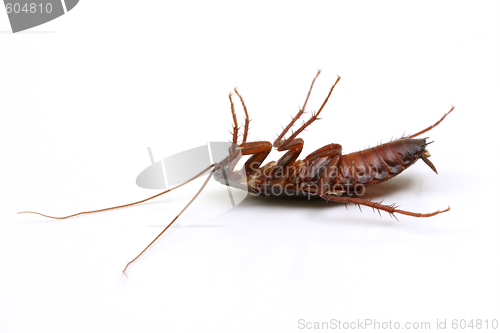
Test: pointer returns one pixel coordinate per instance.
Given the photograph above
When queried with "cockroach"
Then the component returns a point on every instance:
(325, 173)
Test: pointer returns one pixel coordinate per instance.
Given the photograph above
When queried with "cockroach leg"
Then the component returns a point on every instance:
(311, 120)
(235, 127)
(431, 127)
(322, 164)
(293, 145)
(259, 151)
(247, 120)
(391, 209)
(278, 142)
(294, 148)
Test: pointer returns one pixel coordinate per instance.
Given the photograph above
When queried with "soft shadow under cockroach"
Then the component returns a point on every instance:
(325, 173)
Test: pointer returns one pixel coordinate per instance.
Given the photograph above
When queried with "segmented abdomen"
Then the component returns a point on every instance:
(378, 164)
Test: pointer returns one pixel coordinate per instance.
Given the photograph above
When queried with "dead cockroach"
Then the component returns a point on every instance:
(325, 173)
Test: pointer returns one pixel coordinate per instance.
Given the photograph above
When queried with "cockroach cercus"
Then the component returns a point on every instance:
(325, 173)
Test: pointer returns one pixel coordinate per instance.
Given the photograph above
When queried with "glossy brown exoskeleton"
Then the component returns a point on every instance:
(326, 173)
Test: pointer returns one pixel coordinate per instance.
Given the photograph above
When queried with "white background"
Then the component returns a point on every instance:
(82, 97)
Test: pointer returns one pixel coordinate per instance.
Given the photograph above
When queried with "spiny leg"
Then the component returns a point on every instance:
(314, 117)
(259, 151)
(127, 205)
(235, 127)
(293, 145)
(431, 127)
(247, 121)
(182, 211)
(391, 209)
(278, 142)
(294, 148)
(322, 164)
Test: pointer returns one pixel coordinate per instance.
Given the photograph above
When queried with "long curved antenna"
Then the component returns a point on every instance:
(182, 211)
(130, 204)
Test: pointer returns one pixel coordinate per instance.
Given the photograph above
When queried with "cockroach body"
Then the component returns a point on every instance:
(349, 175)
(325, 173)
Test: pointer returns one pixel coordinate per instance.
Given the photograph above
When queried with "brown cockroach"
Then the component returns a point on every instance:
(325, 173)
